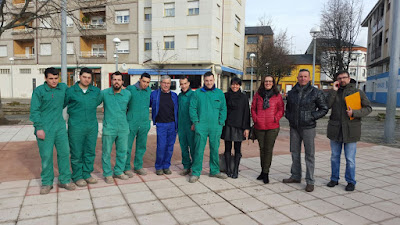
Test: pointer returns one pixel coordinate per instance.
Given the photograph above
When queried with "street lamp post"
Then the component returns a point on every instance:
(116, 41)
(267, 65)
(11, 75)
(252, 56)
(314, 33)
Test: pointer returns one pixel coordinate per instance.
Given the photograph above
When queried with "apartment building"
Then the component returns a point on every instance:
(178, 38)
(253, 37)
(379, 26)
(186, 38)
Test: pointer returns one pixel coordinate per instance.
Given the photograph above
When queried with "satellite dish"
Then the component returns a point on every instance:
(124, 67)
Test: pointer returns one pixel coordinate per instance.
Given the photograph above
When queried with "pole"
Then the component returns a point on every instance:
(64, 41)
(390, 121)
(251, 84)
(116, 62)
(357, 73)
(12, 80)
(313, 63)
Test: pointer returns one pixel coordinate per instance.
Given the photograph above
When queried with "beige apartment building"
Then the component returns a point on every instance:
(253, 37)
(178, 38)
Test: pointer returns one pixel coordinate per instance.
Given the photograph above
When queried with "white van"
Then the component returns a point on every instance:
(154, 85)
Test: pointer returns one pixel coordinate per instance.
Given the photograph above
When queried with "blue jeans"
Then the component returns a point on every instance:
(350, 150)
(166, 136)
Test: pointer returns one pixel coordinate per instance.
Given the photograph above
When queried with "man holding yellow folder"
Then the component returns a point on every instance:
(344, 127)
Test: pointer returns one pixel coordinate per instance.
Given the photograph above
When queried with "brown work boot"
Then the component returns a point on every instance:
(109, 180)
(185, 172)
(91, 180)
(167, 171)
(159, 172)
(141, 172)
(290, 180)
(193, 179)
(81, 183)
(310, 187)
(122, 177)
(219, 175)
(128, 173)
(44, 190)
(70, 186)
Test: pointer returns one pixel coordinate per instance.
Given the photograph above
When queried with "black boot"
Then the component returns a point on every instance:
(265, 178)
(236, 166)
(228, 159)
(261, 176)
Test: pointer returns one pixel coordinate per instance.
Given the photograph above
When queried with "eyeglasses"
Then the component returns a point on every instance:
(342, 78)
(268, 81)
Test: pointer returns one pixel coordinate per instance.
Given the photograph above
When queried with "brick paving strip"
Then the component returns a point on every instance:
(171, 199)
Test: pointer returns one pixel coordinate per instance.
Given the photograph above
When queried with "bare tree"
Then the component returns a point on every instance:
(163, 58)
(340, 26)
(272, 58)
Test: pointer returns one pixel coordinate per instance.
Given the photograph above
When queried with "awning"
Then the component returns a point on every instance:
(231, 70)
(74, 67)
(168, 71)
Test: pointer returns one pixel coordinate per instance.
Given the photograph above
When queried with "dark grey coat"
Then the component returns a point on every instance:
(340, 127)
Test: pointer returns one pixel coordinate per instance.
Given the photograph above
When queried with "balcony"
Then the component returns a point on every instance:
(90, 54)
(94, 26)
(24, 56)
(22, 31)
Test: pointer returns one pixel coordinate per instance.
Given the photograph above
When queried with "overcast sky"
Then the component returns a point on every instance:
(297, 17)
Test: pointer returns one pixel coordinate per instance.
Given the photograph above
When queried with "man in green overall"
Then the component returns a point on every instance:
(82, 100)
(185, 126)
(139, 123)
(47, 105)
(208, 114)
(115, 128)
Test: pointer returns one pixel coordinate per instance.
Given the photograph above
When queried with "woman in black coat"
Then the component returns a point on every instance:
(237, 125)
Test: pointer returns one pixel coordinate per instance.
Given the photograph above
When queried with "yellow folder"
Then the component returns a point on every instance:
(353, 101)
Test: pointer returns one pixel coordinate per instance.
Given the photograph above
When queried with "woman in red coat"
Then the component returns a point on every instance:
(266, 110)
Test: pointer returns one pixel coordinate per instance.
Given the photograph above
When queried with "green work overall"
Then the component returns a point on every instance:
(115, 129)
(82, 129)
(46, 114)
(139, 124)
(208, 113)
(186, 135)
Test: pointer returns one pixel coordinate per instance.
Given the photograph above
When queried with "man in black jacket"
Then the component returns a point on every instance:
(344, 128)
(305, 104)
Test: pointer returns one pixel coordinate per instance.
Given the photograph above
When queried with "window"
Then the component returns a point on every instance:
(248, 70)
(217, 43)
(169, 9)
(45, 23)
(193, 8)
(122, 16)
(147, 44)
(236, 51)
(3, 50)
(192, 41)
(123, 47)
(147, 14)
(25, 71)
(98, 50)
(70, 48)
(237, 23)
(252, 40)
(97, 20)
(249, 53)
(169, 42)
(70, 22)
(218, 11)
(5, 71)
(45, 49)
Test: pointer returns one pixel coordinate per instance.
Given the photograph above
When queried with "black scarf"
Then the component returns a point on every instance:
(266, 95)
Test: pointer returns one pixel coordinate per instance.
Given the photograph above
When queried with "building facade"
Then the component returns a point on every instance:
(178, 38)
(379, 26)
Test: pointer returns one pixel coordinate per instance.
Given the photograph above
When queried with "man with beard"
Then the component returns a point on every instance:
(208, 114)
(115, 128)
(185, 126)
(139, 123)
(47, 105)
(344, 128)
(82, 100)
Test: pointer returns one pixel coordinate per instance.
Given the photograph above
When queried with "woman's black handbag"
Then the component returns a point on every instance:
(252, 134)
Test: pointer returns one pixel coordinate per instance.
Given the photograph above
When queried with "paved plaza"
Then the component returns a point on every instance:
(163, 200)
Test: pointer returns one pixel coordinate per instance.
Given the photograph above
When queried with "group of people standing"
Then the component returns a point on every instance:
(194, 116)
